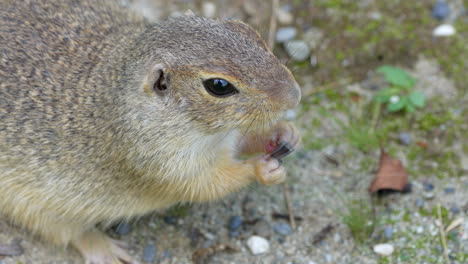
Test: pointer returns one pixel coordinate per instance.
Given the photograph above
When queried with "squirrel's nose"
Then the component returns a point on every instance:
(293, 96)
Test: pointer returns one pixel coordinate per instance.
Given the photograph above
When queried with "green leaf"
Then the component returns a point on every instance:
(383, 96)
(410, 108)
(395, 107)
(417, 98)
(397, 76)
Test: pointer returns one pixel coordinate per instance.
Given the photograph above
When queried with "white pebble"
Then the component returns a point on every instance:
(394, 99)
(384, 249)
(297, 49)
(286, 33)
(284, 17)
(290, 114)
(258, 245)
(444, 30)
(209, 9)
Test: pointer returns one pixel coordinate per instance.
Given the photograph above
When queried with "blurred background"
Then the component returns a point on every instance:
(384, 113)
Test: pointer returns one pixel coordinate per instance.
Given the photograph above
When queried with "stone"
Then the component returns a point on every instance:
(285, 34)
(283, 229)
(313, 37)
(284, 17)
(405, 138)
(444, 30)
(428, 186)
(419, 229)
(419, 202)
(149, 253)
(235, 222)
(428, 195)
(171, 220)
(384, 249)
(449, 190)
(258, 245)
(234, 234)
(290, 114)
(455, 209)
(298, 50)
(209, 9)
(122, 228)
(262, 229)
(440, 10)
(388, 231)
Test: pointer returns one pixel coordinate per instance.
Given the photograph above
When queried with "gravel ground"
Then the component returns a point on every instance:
(321, 184)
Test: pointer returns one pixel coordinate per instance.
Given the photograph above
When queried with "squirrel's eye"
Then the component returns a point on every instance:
(219, 87)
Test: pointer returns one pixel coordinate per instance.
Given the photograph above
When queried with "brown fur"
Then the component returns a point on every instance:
(85, 139)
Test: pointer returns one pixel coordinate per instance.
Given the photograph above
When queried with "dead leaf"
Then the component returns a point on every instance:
(200, 255)
(391, 175)
(456, 223)
(422, 144)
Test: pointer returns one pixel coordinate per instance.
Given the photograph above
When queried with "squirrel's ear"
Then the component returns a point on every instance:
(157, 80)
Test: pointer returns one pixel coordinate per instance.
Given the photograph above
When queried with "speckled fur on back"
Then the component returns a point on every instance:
(81, 142)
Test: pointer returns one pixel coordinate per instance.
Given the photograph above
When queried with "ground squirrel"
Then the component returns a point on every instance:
(105, 116)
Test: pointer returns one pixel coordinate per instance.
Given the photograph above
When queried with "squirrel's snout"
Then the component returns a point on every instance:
(290, 97)
(294, 96)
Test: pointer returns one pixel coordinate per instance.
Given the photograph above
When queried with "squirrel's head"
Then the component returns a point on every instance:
(219, 74)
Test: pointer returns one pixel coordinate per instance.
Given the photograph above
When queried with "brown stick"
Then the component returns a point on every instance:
(271, 34)
(271, 43)
(292, 220)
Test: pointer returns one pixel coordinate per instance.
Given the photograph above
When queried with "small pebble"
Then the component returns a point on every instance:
(419, 229)
(313, 61)
(262, 229)
(455, 209)
(388, 231)
(290, 114)
(428, 186)
(170, 220)
(235, 222)
(123, 228)
(234, 234)
(284, 17)
(384, 249)
(167, 254)
(329, 258)
(405, 138)
(311, 262)
(313, 37)
(407, 188)
(428, 195)
(149, 253)
(419, 202)
(286, 33)
(282, 229)
(444, 30)
(297, 49)
(209, 9)
(258, 245)
(440, 10)
(449, 190)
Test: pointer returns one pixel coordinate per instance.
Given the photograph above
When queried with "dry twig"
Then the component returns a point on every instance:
(271, 34)
(271, 43)
(442, 235)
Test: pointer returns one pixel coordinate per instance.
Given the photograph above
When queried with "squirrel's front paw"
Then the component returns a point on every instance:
(284, 138)
(269, 170)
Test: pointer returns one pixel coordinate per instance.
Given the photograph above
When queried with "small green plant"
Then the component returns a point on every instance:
(400, 95)
(359, 220)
